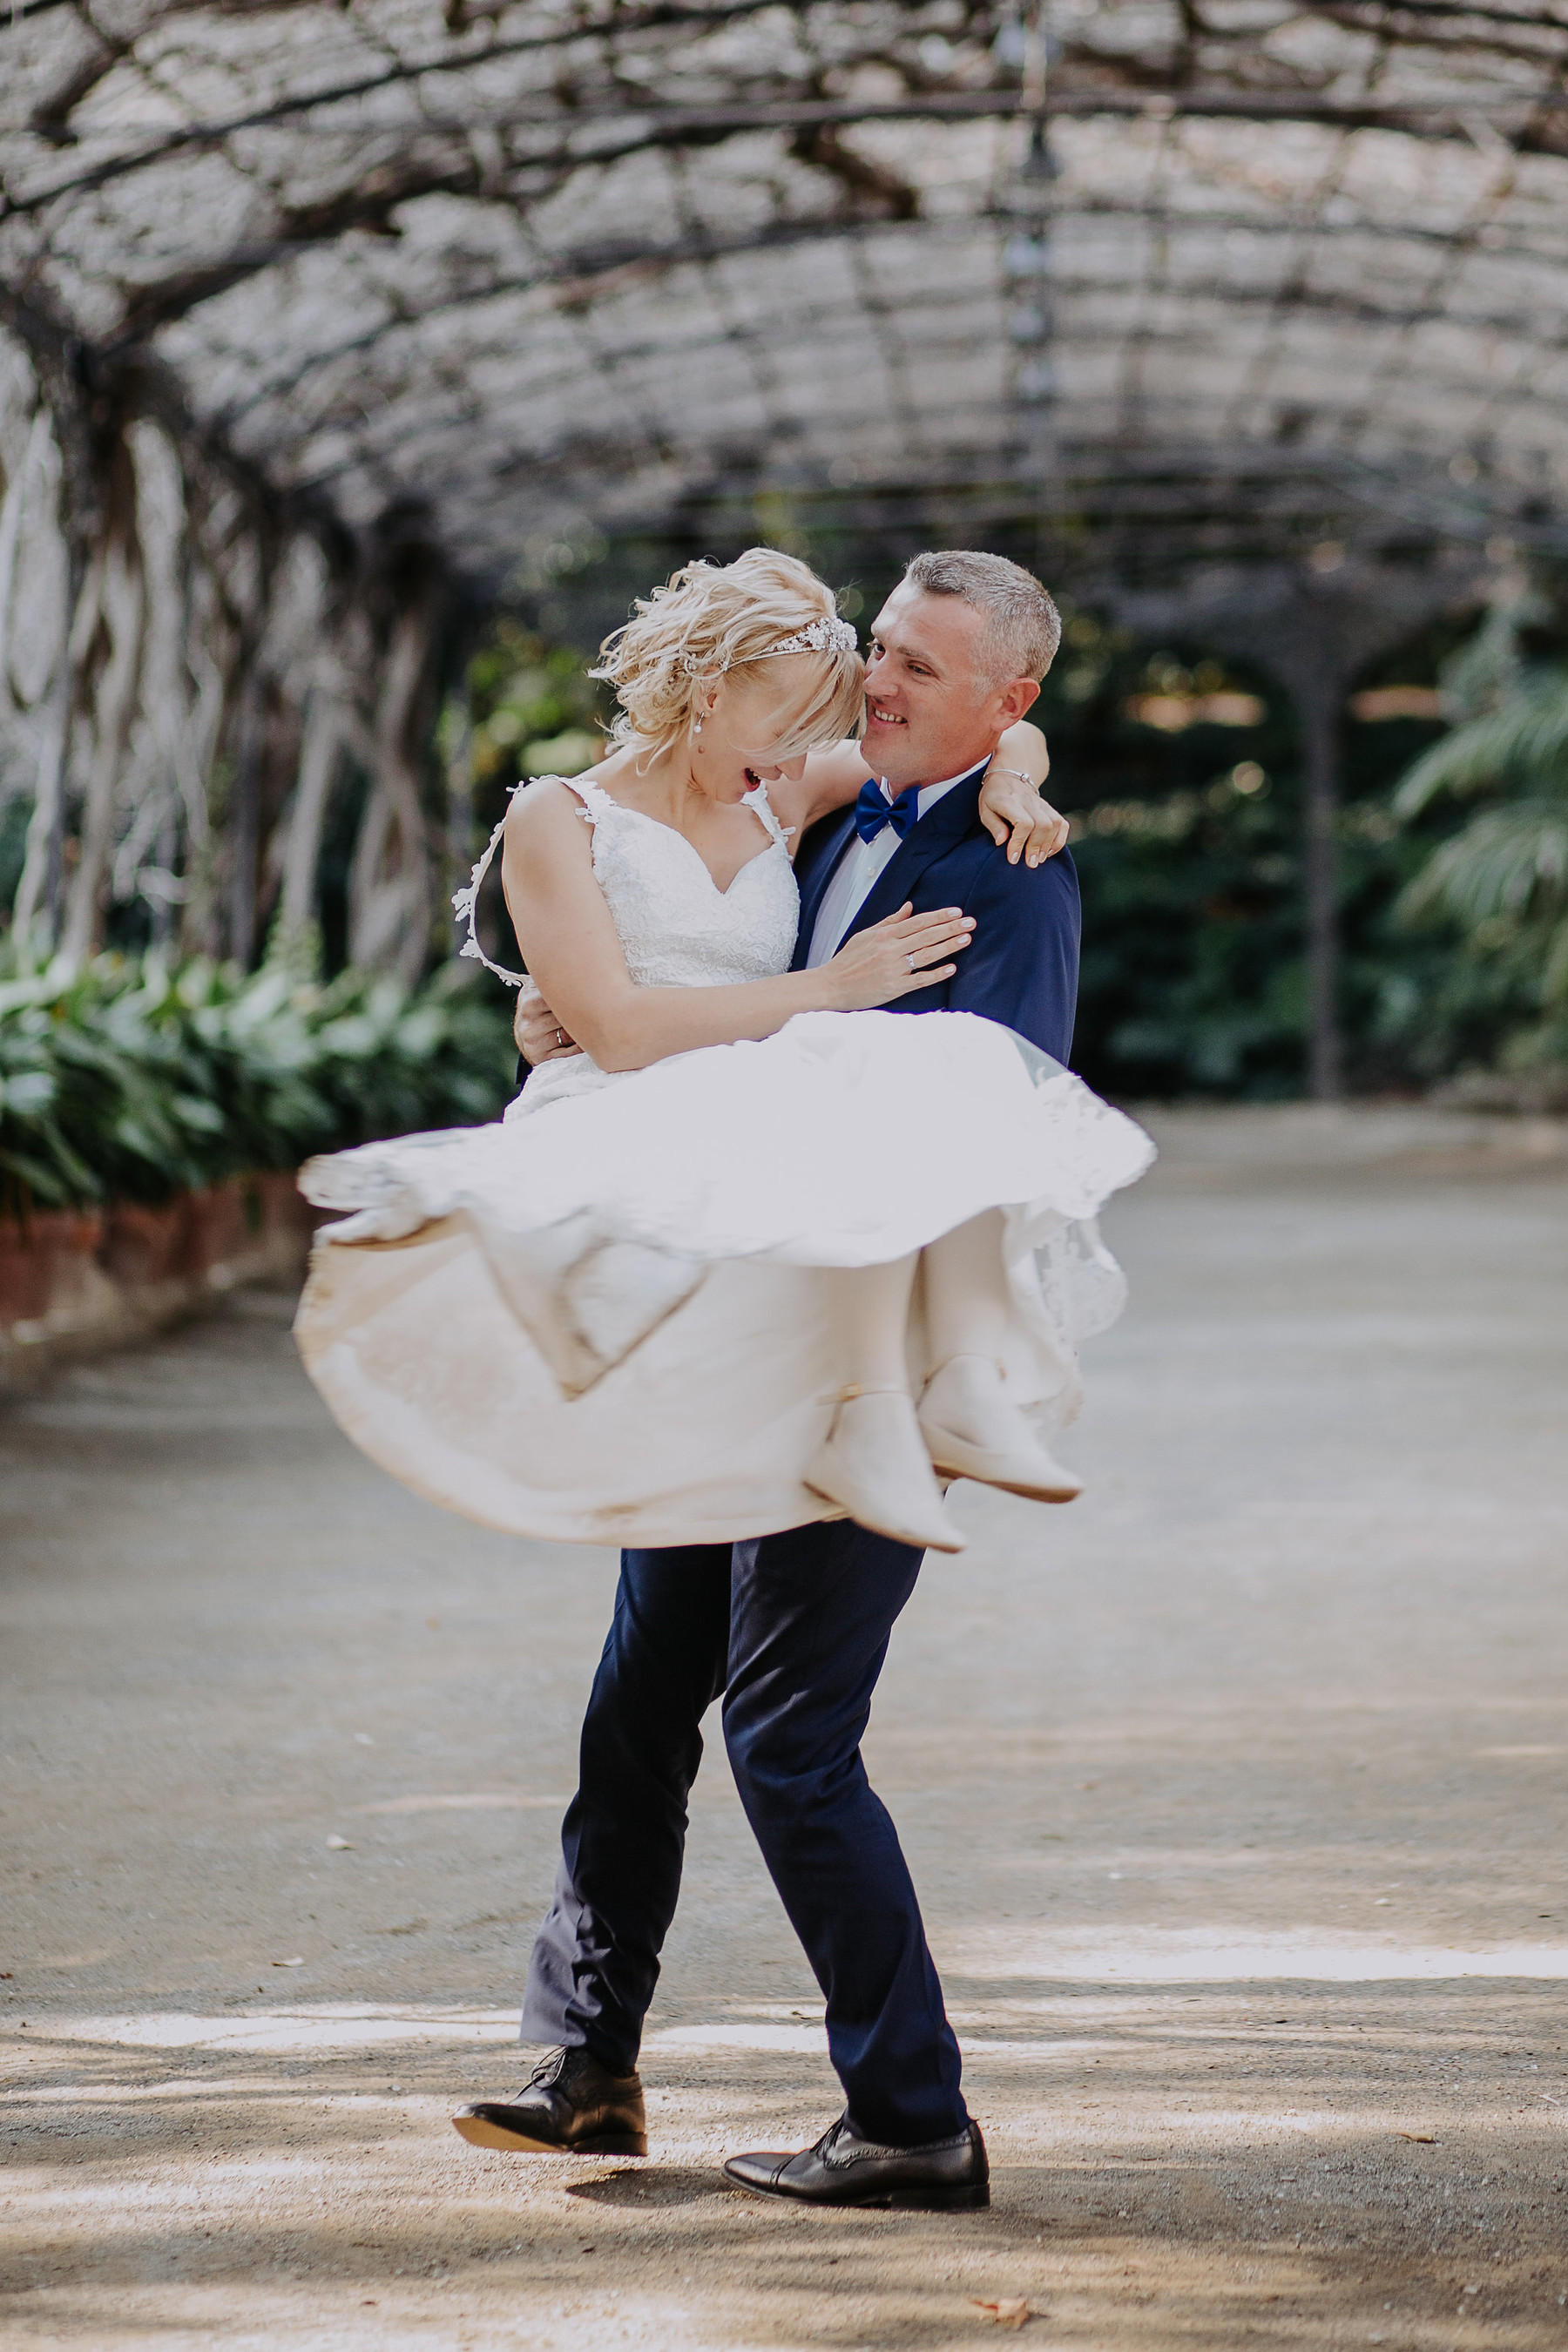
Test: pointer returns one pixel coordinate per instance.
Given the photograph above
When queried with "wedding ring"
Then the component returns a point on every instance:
(911, 961)
(560, 1037)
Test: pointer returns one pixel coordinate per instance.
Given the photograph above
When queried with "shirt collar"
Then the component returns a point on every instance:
(928, 795)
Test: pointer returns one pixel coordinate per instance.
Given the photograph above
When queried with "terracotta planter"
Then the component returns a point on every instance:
(40, 1260)
(216, 1227)
(285, 1209)
(71, 1281)
(143, 1244)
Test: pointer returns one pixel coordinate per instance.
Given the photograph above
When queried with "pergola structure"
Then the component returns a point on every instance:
(318, 317)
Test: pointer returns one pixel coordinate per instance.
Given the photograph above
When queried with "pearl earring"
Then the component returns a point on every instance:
(697, 729)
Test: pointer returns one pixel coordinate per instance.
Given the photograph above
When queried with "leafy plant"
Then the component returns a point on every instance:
(1500, 881)
(129, 1080)
(532, 709)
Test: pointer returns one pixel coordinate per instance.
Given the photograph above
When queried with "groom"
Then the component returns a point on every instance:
(791, 1630)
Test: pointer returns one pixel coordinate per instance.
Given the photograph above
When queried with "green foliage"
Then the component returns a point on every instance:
(1187, 837)
(131, 1079)
(527, 708)
(531, 707)
(1499, 881)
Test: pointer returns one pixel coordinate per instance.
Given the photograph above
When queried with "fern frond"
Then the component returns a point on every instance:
(1509, 862)
(1524, 744)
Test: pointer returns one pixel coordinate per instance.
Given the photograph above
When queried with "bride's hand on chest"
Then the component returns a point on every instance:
(904, 953)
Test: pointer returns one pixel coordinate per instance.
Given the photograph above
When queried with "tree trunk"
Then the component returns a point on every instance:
(38, 891)
(317, 769)
(390, 883)
(123, 606)
(244, 825)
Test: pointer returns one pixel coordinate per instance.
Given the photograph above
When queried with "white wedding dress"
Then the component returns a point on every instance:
(603, 1318)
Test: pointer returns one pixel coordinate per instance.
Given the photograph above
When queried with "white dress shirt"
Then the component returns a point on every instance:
(858, 870)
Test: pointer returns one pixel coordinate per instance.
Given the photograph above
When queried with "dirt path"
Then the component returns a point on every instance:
(1235, 1793)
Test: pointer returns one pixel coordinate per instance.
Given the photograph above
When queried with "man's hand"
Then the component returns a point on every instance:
(539, 1036)
(1017, 819)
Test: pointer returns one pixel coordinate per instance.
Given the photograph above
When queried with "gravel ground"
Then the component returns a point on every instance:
(284, 1755)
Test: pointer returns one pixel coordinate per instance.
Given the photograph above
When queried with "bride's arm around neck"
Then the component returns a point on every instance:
(571, 950)
(833, 778)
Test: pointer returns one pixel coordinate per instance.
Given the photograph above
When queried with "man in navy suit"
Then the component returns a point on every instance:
(791, 1630)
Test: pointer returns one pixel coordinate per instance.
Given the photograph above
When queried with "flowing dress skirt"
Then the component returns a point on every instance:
(603, 1318)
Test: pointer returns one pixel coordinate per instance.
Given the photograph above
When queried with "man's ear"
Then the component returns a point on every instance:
(1015, 698)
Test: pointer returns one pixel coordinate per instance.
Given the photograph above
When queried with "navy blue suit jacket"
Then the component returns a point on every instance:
(1021, 967)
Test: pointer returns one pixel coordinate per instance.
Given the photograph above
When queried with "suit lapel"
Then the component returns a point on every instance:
(955, 815)
(837, 834)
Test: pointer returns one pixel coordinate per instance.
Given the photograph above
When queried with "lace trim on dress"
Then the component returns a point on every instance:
(466, 901)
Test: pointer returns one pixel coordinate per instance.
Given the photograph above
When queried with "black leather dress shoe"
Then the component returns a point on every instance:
(571, 2106)
(844, 2169)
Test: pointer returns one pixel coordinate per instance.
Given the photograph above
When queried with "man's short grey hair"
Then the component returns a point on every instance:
(1023, 627)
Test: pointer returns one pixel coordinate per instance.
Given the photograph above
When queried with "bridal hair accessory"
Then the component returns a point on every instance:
(828, 636)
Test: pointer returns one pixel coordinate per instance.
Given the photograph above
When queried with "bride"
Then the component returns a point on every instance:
(691, 1286)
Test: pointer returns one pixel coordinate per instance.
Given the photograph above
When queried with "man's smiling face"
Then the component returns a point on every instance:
(931, 711)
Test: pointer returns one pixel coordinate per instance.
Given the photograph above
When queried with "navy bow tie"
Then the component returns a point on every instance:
(873, 810)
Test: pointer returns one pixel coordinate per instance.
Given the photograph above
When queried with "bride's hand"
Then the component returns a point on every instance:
(1017, 819)
(903, 953)
(539, 1036)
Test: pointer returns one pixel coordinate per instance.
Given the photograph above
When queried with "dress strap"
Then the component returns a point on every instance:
(596, 802)
(756, 799)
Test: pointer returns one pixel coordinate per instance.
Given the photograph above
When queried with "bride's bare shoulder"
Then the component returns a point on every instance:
(546, 811)
(545, 841)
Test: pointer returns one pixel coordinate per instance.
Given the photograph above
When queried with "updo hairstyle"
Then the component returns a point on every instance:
(715, 620)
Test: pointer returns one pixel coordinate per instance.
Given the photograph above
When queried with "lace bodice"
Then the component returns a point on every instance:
(677, 928)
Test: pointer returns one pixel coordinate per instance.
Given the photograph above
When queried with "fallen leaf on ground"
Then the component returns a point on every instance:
(1007, 2310)
(1426, 2139)
(297, 1963)
(340, 1845)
